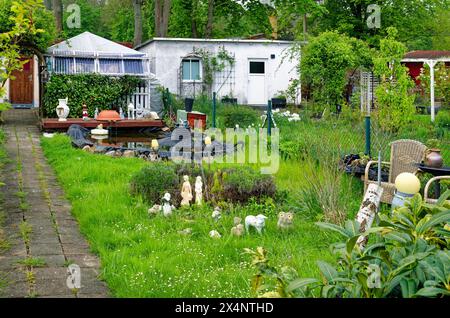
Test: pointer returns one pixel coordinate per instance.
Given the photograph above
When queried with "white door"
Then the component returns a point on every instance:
(257, 94)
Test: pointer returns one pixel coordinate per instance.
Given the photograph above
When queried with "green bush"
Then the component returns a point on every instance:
(240, 184)
(96, 91)
(243, 116)
(443, 119)
(154, 180)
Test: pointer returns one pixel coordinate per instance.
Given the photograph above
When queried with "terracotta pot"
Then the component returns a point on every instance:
(108, 115)
(434, 159)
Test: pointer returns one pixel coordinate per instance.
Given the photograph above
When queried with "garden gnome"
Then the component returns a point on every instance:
(167, 207)
(186, 191)
(198, 190)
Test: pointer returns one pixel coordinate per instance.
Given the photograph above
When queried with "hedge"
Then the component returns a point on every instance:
(96, 91)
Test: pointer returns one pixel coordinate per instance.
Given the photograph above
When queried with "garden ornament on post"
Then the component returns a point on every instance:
(85, 112)
(186, 191)
(406, 185)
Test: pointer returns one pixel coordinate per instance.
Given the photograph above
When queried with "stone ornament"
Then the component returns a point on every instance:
(214, 234)
(154, 210)
(198, 191)
(216, 215)
(238, 228)
(258, 222)
(285, 220)
(167, 208)
(186, 191)
(62, 110)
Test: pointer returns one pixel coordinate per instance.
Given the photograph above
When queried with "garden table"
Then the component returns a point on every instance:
(436, 172)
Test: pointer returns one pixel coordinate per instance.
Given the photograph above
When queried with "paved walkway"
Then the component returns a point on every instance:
(43, 237)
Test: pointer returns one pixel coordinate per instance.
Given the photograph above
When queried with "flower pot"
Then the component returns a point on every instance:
(279, 102)
(434, 159)
(188, 104)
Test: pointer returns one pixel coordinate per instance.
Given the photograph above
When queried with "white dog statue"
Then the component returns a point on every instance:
(258, 222)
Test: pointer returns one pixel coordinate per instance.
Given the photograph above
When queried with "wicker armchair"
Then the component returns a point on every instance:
(427, 187)
(405, 155)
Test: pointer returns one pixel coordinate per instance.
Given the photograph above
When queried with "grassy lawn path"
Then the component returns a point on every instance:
(42, 238)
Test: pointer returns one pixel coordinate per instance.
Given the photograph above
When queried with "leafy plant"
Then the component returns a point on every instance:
(238, 115)
(96, 91)
(154, 180)
(394, 97)
(407, 256)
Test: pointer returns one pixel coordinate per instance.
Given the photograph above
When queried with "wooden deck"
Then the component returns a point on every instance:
(54, 124)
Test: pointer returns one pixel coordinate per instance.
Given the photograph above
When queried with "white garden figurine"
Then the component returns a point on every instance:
(238, 228)
(285, 220)
(198, 190)
(186, 191)
(214, 234)
(167, 207)
(258, 222)
(216, 215)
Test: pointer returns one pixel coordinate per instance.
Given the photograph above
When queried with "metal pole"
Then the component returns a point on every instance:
(269, 118)
(214, 110)
(368, 136)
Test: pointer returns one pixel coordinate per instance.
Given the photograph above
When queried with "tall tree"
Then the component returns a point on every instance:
(162, 15)
(137, 6)
(58, 13)
(209, 24)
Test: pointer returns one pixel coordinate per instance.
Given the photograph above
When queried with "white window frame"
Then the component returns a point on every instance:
(200, 71)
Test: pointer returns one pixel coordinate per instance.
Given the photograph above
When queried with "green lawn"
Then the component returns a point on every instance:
(147, 257)
(143, 257)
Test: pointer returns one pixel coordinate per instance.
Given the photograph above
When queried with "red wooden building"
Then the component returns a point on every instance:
(415, 61)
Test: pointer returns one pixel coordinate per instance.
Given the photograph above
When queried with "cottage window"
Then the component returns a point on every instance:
(191, 70)
(111, 66)
(84, 65)
(133, 66)
(64, 65)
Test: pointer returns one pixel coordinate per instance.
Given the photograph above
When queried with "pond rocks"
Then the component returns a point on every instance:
(185, 232)
(129, 154)
(214, 234)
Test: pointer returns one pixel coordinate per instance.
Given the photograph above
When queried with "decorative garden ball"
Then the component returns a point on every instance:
(407, 185)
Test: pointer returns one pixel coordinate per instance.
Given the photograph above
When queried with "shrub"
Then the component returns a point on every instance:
(154, 180)
(242, 183)
(443, 119)
(243, 116)
(96, 91)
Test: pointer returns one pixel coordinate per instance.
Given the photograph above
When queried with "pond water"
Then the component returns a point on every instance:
(127, 139)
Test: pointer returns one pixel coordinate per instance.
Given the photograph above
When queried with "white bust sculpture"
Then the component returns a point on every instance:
(167, 207)
(186, 191)
(198, 190)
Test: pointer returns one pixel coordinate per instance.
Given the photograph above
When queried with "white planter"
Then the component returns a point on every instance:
(62, 110)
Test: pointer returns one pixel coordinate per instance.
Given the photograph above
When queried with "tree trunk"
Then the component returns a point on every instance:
(57, 12)
(165, 18)
(158, 14)
(193, 20)
(209, 24)
(137, 6)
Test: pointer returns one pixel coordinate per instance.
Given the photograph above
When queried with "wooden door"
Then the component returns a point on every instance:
(21, 88)
(257, 94)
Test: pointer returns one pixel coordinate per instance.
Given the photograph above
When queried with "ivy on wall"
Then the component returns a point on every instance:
(96, 91)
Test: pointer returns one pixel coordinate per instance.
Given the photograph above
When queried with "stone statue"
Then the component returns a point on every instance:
(167, 207)
(198, 190)
(186, 191)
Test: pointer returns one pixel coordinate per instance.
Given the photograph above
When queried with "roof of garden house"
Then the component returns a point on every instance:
(427, 55)
(231, 40)
(89, 44)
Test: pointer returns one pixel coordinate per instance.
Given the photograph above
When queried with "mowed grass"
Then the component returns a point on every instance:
(147, 257)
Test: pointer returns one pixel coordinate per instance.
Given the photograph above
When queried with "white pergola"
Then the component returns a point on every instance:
(431, 61)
